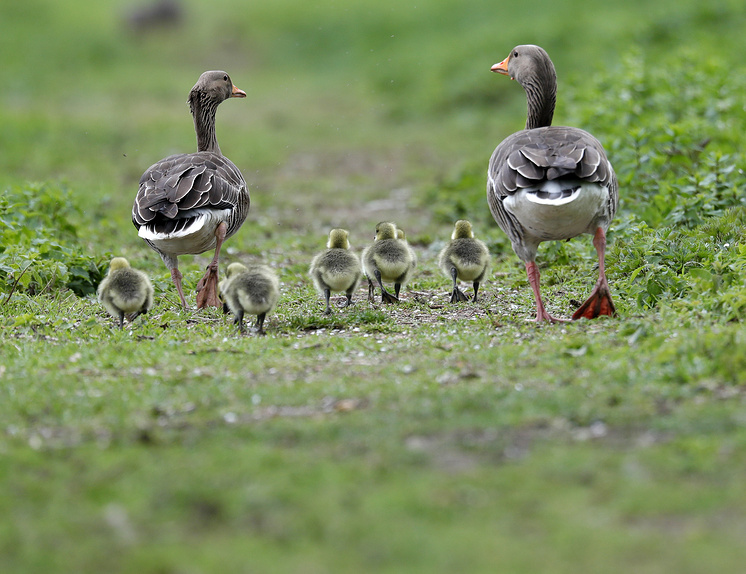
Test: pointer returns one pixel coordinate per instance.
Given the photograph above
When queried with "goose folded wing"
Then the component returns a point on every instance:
(593, 166)
(586, 152)
(170, 187)
(228, 184)
(558, 159)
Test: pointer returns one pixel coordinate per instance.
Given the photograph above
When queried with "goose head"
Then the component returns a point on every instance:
(208, 93)
(215, 85)
(526, 62)
(531, 67)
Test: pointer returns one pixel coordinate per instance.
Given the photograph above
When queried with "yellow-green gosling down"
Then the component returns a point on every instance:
(464, 258)
(253, 290)
(336, 269)
(401, 236)
(387, 259)
(125, 291)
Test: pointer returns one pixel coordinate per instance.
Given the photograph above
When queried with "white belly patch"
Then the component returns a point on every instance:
(559, 209)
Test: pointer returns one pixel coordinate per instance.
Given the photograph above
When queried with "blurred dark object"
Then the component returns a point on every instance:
(158, 14)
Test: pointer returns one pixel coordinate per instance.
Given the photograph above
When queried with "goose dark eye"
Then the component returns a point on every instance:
(515, 54)
(225, 78)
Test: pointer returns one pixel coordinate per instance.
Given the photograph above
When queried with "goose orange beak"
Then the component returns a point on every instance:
(236, 93)
(502, 67)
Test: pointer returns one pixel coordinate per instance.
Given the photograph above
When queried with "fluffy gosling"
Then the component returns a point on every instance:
(125, 291)
(401, 236)
(253, 290)
(464, 258)
(336, 269)
(388, 259)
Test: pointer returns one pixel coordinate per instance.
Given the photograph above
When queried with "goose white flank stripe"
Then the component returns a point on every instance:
(196, 228)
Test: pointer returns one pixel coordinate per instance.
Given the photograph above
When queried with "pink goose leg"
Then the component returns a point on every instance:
(176, 278)
(207, 288)
(533, 278)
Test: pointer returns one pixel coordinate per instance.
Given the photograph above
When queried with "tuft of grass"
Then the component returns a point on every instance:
(366, 320)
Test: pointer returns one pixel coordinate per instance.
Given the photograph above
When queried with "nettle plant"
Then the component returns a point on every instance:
(40, 250)
(674, 133)
(699, 270)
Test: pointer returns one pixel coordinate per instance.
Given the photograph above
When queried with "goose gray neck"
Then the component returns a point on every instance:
(541, 96)
(203, 110)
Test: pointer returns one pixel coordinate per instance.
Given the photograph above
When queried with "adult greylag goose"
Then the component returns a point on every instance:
(550, 182)
(336, 268)
(190, 203)
(253, 290)
(125, 290)
(464, 257)
(387, 259)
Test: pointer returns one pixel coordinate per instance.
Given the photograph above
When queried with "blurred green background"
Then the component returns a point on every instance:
(344, 98)
(176, 447)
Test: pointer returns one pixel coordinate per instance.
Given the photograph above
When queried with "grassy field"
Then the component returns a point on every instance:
(423, 437)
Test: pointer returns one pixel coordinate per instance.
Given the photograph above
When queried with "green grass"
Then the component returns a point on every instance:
(418, 438)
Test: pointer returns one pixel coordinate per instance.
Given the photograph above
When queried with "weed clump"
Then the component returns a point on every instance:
(40, 245)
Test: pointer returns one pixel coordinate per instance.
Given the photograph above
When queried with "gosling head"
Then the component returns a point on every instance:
(338, 238)
(385, 230)
(235, 269)
(462, 230)
(118, 263)
(400, 234)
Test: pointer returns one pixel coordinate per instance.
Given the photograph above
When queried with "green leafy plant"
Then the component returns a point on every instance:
(699, 270)
(673, 133)
(39, 245)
